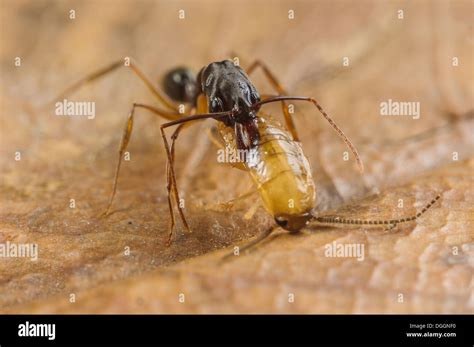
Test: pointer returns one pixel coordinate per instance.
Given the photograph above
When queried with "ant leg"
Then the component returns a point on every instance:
(127, 132)
(172, 177)
(268, 74)
(169, 180)
(112, 67)
(200, 147)
(280, 90)
(222, 206)
(169, 186)
(126, 137)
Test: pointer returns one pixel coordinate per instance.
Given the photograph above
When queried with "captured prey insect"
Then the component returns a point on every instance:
(275, 159)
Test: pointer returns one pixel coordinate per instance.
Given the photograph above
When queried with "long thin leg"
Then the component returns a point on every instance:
(200, 147)
(280, 90)
(169, 185)
(172, 175)
(112, 67)
(127, 132)
(168, 189)
(325, 115)
(252, 243)
(174, 137)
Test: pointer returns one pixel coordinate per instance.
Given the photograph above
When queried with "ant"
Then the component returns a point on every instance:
(276, 162)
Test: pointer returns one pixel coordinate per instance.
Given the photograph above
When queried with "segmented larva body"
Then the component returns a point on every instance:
(281, 172)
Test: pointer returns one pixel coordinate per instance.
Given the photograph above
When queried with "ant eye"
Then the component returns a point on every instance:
(216, 105)
(281, 221)
(255, 97)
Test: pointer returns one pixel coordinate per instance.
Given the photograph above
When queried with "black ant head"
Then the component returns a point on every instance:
(228, 88)
(293, 223)
(180, 85)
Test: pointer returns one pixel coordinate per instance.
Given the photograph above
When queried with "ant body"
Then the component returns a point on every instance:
(277, 165)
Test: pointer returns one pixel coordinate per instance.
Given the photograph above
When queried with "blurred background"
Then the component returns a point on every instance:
(401, 50)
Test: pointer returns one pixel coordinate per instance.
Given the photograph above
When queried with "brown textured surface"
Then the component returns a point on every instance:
(64, 159)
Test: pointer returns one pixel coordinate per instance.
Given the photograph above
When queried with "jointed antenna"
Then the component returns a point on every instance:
(393, 222)
(325, 115)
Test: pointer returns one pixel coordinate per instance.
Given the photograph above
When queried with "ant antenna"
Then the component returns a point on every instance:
(325, 115)
(392, 222)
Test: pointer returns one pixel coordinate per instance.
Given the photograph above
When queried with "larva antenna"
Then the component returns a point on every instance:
(393, 222)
